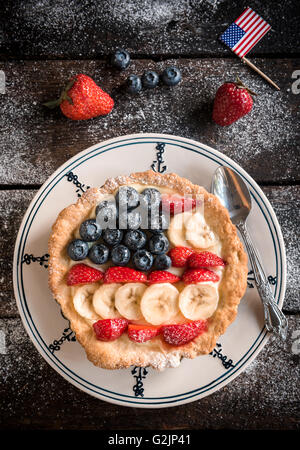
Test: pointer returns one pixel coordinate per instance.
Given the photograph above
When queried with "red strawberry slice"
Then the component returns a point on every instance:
(175, 204)
(142, 333)
(119, 274)
(205, 259)
(83, 274)
(197, 275)
(180, 256)
(183, 333)
(110, 329)
(162, 276)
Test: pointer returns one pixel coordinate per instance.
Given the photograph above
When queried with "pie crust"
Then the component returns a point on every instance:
(123, 353)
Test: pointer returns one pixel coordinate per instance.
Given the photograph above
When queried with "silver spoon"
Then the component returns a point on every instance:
(233, 193)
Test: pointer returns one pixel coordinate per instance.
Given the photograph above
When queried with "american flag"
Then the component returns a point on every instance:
(245, 32)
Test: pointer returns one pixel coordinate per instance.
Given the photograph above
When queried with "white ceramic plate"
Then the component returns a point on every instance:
(50, 332)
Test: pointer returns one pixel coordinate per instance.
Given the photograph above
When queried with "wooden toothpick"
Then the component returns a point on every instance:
(250, 64)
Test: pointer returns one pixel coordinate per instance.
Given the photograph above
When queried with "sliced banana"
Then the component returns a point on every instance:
(104, 301)
(160, 303)
(176, 231)
(128, 298)
(82, 301)
(198, 233)
(198, 301)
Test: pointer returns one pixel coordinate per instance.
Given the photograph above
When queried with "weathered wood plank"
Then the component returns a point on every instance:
(34, 396)
(90, 29)
(35, 141)
(14, 203)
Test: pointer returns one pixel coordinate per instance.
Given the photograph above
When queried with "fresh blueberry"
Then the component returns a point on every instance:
(151, 198)
(143, 260)
(99, 254)
(162, 262)
(150, 79)
(158, 244)
(107, 214)
(135, 239)
(78, 249)
(120, 255)
(120, 59)
(127, 198)
(130, 220)
(112, 236)
(134, 84)
(158, 222)
(90, 230)
(171, 76)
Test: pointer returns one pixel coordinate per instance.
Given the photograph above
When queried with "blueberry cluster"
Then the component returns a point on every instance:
(150, 79)
(127, 229)
(171, 76)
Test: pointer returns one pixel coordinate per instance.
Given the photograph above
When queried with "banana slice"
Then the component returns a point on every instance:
(197, 232)
(176, 231)
(104, 301)
(82, 301)
(160, 303)
(198, 301)
(128, 298)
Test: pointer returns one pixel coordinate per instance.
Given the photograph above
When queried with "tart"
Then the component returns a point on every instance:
(146, 294)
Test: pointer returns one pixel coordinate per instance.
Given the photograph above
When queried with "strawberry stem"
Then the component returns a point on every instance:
(63, 96)
(240, 85)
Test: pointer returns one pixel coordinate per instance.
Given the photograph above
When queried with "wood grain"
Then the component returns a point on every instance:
(34, 141)
(93, 29)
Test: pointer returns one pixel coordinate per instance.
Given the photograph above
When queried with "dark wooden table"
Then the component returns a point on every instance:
(40, 47)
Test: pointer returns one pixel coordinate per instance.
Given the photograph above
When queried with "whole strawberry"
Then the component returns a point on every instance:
(232, 101)
(83, 99)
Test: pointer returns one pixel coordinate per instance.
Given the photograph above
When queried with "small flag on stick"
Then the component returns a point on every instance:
(243, 34)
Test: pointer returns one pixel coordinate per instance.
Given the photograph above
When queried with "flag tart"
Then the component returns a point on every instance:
(147, 292)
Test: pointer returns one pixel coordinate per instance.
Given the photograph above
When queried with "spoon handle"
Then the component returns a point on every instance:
(275, 320)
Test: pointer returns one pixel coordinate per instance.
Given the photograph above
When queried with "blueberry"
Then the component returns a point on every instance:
(107, 214)
(78, 250)
(143, 260)
(99, 254)
(158, 244)
(162, 262)
(112, 236)
(120, 59)
(158, 222)
(90, 230)
(127, 198)
(130, 220)
(150, 79)
(151, 198)
(120, 255)
(171, 76)
(134, 84)
(135, 239)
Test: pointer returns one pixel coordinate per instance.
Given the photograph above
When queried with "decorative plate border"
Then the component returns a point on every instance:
(68, 168)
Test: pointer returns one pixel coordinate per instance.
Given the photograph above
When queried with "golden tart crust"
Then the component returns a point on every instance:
(123, 353)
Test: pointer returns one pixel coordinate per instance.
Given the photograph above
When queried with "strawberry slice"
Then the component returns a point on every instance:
(110, 329)
(180, 334)
(142, 333)
(162, 276)
(205, 259)
(175, 204)
(197, 275)
(83, 274)
(119, 274)
(180, 256)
